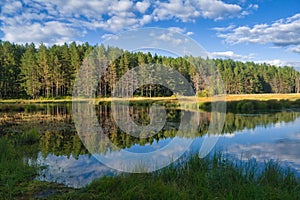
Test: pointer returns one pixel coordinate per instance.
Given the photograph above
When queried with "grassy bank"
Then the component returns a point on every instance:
(210, 178)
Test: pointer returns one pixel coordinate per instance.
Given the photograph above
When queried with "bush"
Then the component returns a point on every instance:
(203, 93)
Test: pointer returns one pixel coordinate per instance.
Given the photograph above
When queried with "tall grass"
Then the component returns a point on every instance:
(13, 171)
(210, 178)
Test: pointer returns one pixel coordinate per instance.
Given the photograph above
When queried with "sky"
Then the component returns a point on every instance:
(259, 30)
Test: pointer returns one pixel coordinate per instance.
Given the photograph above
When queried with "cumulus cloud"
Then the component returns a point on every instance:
(172, 35)
(190, 10)
(283, 32)
(168, 37)
(176, 29)
(251, 57)
(278, 62)
(214, 9)
(179, 9)
(35, 20)
(231, 55)
(49, 33)
(142, 6)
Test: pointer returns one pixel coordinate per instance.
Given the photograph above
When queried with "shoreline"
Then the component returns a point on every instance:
(230, 97)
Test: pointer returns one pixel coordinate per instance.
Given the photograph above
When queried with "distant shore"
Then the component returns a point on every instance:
(230, 97)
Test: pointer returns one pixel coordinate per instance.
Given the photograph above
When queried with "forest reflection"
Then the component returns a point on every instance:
(59, 136)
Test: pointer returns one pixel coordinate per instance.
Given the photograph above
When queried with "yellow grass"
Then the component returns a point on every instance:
(230, 97)
(263, 97)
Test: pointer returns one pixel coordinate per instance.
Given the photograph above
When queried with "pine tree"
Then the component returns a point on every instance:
(30, 73)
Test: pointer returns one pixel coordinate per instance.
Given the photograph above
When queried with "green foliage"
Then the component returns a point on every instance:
(50, 72)
(203, 93)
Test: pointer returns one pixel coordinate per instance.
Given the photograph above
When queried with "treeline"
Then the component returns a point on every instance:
(27, 71)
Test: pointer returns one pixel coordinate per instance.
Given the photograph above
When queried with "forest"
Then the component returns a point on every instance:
(31, 72)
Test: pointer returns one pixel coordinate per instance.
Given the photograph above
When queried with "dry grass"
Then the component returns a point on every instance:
(263, 97)
(229, 97)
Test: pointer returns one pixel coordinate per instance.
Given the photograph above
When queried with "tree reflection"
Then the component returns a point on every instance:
(59, 135)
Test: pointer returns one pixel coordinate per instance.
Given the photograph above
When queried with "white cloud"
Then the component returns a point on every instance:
(179, 9)
(11, 8)
(214, 9)
(278, 62)
(251, 57)
(295, 49)
(231, 55)
(253, 6)
(109, 36)
(190, 33)
(35, 21)
(222, 29)
(190, 10)
(37, 32)
(117, 23)
(146, 19)
(168, 37)
(142, 6)
(176, 29)
(120, 6)
(283, 32)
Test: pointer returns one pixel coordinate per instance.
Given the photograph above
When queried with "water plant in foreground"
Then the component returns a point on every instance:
(209, 178)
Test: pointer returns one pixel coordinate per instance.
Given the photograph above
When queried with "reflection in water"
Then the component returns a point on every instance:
(275, 142)
(71, 171)
(260, 136)
(94, 137)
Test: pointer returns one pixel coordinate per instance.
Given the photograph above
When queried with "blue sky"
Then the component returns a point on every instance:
(259, 30)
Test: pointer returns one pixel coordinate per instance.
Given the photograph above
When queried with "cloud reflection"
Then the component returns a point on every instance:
(285, 150)
(70, 171)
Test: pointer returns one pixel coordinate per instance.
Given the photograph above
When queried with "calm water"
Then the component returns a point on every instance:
(65, 159)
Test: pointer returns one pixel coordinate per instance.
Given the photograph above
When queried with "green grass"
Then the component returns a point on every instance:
(210, 178)
(13, 171)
